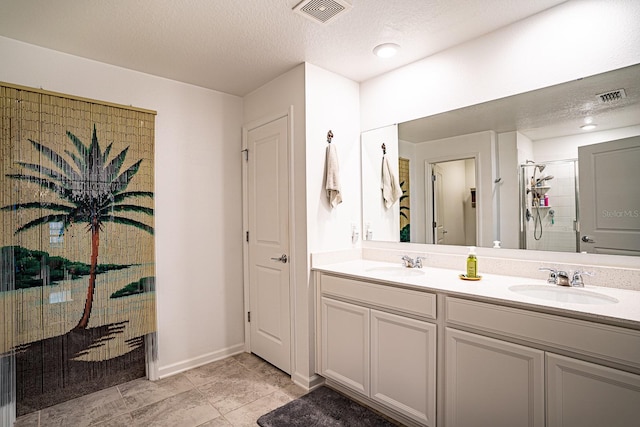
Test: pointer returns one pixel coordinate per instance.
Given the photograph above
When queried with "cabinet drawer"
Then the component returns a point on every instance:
(407, 301)
(616, 344)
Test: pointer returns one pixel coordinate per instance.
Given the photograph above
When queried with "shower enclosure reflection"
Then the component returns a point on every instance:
(548, 206)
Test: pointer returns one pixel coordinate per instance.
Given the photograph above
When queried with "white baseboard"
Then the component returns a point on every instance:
(308, 383)
(176, 368)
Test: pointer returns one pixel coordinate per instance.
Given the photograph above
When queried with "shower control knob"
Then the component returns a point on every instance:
(587, 239)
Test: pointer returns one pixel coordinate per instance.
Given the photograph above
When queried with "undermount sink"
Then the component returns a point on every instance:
(396, 271)
(562, 294)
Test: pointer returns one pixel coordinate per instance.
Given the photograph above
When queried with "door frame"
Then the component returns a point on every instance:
(246, 128)
(428, 190)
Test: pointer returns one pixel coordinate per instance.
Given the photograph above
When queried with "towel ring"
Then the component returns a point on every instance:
(329, 136)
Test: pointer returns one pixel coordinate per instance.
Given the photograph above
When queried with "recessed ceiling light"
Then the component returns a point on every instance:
(589, 126)
(386, 50)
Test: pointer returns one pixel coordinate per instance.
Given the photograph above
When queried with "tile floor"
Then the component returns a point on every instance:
(232, 392)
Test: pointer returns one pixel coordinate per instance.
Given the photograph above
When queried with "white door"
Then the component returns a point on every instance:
(609, 174)
(268, 236)
(583, 394)
(439, 229)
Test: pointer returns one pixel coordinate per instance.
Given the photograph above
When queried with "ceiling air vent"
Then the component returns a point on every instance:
(321, 11)
(611, 96)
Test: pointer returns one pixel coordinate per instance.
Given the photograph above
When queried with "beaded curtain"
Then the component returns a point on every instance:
(77, 291)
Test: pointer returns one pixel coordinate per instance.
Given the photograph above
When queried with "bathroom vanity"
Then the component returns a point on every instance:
(427, 348)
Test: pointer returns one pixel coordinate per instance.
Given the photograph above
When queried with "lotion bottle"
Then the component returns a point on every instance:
(472, 263)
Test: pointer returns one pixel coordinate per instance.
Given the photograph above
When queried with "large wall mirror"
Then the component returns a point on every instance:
(554, 169)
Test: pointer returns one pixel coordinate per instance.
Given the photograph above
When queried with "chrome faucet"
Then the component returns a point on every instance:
(576, 278)
(412, 263)
(562, 278)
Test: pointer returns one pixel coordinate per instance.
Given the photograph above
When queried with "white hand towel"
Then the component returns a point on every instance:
(332, 176)
(391, 190)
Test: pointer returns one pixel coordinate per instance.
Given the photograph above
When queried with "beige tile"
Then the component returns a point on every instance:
(207, 373)
(273, 375)
(142, 392)
(293, 390)
(248, 415)
(221, 421)
(86, 410)
(188, 409)
(28, 420)
(122, 421)
(229, 391)
(249, 360)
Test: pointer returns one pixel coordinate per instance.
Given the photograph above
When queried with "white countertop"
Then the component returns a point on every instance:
(495, 288)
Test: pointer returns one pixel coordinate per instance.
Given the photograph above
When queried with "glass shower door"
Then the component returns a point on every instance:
(548, 206)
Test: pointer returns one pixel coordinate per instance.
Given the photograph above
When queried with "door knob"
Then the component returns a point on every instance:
(283, 259)
(587, 239)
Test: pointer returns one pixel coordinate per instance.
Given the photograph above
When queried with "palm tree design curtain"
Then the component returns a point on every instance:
(77, 272)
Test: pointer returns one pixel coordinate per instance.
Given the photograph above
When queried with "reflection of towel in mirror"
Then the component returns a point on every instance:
(332, 176)
(391, 190)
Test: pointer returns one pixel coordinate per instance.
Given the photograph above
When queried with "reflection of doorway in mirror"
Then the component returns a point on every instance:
(452, 202)
(405, 200)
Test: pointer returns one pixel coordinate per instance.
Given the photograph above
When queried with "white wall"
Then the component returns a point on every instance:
(564, 148)
(197, 195)
(332, 103)
(575, 39)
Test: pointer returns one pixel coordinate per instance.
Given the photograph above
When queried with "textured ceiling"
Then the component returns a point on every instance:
(235, 46)
(545, 113)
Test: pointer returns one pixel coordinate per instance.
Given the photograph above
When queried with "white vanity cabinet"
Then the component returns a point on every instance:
(376, 340)
(584, 394)
(479, 362)
(491, 381)
(345, 344)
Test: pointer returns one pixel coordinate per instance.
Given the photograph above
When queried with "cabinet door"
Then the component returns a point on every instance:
(492, 383)
(345, 344)
(403, 365)
(583, 394)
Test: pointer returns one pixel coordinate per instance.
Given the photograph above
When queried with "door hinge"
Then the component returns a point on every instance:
(433, 178)
(246, 154)
(434, 224)
(247, 236)
(249, 316)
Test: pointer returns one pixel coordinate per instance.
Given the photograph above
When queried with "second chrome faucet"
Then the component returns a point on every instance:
(563, 278)
(412, 263)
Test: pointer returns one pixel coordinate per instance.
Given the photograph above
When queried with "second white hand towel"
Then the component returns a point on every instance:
(391, 190)
(332, 177)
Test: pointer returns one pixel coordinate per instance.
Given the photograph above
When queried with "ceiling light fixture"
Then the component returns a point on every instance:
(386, 50)
(589, 126)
